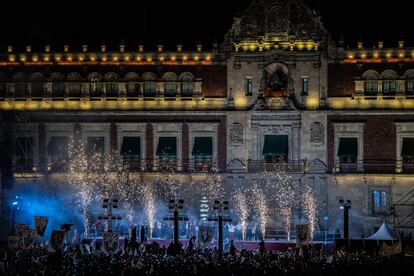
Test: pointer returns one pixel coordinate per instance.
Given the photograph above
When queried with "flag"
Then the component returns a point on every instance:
(21, 230)
(205, 236)
(56, 240)
(110, 240)
(40, 224)
(302, 235)
(13, 241)
(30, 238)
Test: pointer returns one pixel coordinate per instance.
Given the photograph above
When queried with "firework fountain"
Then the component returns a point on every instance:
(311, 209)
(242, 210)
(261, 208)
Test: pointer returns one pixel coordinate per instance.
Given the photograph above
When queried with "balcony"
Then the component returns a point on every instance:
(287, 167)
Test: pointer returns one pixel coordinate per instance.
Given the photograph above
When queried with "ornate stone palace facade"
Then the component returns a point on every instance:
(278, 90)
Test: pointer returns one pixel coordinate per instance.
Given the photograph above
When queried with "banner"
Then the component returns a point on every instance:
(40, 224)
(13, 241)
(302, 234)
(21, 230)
(389, 250)
(205, 236)
(110, 240)
(30, 238)
(56, 240)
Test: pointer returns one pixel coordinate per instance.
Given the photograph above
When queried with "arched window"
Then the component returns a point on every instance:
(37, 85)
(170, 84)
(389, 83)
(409, 82)
(58, 85)
(150, 85)
(132, 85)
(111, 85)
(187, 84)
(20, 85)
(277, 79)
(74, 85)
(370, 82)
(95, 85)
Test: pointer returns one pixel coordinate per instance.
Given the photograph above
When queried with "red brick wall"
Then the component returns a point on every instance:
(113, 138)
(341, 77)
(149, 144)
(185, 146)
(149, 119)
(379, 137)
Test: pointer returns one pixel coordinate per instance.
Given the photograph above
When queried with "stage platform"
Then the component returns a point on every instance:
(279, 245)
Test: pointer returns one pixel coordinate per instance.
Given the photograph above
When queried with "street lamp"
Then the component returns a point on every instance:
(345, 206)
(220, 206)
(108, 205)
(176, 205)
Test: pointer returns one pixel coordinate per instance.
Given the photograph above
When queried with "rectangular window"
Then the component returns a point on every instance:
(149, 88)
(348, 154)
(389, 87)
(371, 87)
(111, 89)
(249, 87)
(409, 87)
(74, 89)
(58, 89)
(20, 89)
(57, 149)
(305, 86)
(187, 89)
(24, 154)
(379, 201)
(132, 89)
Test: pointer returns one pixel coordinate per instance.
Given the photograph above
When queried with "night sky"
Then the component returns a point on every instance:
(74, 22)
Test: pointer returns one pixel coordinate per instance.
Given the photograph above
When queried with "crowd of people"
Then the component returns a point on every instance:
(152, 259)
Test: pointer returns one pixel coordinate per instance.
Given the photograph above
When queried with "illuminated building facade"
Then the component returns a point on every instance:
(278, 91)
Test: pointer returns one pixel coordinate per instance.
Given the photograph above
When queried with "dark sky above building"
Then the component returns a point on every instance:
(91, 22)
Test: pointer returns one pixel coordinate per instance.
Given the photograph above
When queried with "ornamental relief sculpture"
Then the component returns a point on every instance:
(317, 133)
(236, 133)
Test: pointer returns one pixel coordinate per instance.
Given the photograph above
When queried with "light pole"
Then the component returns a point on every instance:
(345, 206)
(176, 205)
(220, 206)
(108, 205)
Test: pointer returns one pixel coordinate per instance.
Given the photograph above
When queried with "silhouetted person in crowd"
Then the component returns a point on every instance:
(142, 234)
(232, 248)
(262, 248)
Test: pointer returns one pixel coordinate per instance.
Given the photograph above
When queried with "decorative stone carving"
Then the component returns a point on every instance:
(276, 117)
(316, 166)
(236, 133)
(279, 19)
(317, 133)
(236, 165)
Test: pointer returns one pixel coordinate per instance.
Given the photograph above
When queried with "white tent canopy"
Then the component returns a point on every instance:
(383, 234)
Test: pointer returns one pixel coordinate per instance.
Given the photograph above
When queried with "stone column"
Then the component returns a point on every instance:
(77, 137)
(42, 165)
(296, 129)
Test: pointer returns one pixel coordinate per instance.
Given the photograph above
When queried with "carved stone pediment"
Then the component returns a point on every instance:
(316, 166)
(236, 165)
